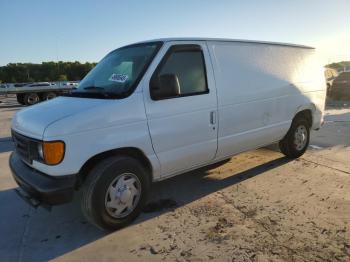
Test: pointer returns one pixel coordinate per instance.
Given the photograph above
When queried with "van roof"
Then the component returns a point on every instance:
(226, 40)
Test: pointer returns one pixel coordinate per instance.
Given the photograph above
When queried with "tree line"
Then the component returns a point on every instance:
(44, 72)
(340, 65)
(66, 71)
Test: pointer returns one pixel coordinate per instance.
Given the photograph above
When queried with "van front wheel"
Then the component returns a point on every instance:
(296, 141)
(115, 192)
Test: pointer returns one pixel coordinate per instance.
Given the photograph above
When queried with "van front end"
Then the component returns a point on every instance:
(36, 187)
(39, 162)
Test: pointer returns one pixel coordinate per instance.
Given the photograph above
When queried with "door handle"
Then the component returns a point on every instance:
(213, 117)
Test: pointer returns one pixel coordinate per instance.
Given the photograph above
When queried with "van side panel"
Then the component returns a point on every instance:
(260, 88)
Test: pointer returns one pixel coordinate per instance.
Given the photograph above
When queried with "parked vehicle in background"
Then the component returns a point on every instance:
(32, 93)
(70, 83)
(156, 109)
(330, 75)
(340, 87)
(20, 84)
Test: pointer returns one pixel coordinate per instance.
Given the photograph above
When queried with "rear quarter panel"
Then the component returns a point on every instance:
(260, 88)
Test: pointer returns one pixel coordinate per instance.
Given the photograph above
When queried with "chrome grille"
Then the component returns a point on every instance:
(24, 146)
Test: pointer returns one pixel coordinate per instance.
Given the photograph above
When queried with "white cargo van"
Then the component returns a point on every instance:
(155, 109)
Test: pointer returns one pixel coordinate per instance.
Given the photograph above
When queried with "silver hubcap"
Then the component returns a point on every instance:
(123, 195)
(300, 137)
(33, 99)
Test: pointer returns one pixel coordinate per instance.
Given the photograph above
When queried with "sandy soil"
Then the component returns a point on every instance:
(256, 207)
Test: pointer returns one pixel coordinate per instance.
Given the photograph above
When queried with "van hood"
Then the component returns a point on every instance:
(32, 121)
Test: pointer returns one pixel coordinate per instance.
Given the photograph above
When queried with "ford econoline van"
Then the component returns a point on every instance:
(156, 109)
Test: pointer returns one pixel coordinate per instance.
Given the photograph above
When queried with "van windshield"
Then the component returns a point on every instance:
(117, 74)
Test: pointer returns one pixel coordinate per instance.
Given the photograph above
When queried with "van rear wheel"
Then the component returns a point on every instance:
(115, 192)
(296, 141)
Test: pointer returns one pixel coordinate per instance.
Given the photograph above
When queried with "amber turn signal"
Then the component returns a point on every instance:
(53, 152)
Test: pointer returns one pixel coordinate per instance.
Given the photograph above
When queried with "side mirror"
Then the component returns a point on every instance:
(168, 86)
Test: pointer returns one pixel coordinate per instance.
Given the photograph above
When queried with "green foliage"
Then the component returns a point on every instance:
(339, 65)
(46, 71)
(62, 78)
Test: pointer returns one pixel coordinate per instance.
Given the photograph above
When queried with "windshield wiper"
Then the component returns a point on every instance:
(93, 88)
(103, 95)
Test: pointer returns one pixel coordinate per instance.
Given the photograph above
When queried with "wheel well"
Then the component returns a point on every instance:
(127, 151)
(306, 114)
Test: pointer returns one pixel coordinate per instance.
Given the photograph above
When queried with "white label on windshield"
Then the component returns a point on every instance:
(120, 78)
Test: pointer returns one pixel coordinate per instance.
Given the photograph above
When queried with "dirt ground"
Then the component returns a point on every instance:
(258, 206)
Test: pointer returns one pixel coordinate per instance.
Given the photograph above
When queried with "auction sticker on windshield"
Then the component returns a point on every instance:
(120, 78)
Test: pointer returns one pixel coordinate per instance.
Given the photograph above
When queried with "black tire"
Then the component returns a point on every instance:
(48, 96)
(20, 99)
(97, 184)
(31, 99)
(287, 144)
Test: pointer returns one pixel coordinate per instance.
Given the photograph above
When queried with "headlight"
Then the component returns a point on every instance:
(52, 152)
(40, 151)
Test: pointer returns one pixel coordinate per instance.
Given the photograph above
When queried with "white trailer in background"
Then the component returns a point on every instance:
(29, 94)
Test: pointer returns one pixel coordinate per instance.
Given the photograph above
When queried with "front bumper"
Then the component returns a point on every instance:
(39, 187)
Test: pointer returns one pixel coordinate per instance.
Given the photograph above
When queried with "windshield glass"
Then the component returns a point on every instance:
(119, 72)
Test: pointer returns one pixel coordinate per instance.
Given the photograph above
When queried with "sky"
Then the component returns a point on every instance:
(85, 30)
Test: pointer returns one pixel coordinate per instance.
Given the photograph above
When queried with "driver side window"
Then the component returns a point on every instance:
(186, 64)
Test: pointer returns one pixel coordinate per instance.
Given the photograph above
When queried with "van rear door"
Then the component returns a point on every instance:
(182, 123)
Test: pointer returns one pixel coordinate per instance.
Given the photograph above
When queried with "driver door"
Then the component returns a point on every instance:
(184, 128)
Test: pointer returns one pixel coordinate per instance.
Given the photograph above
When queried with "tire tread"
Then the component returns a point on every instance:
(286, 144)
(90, 184)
